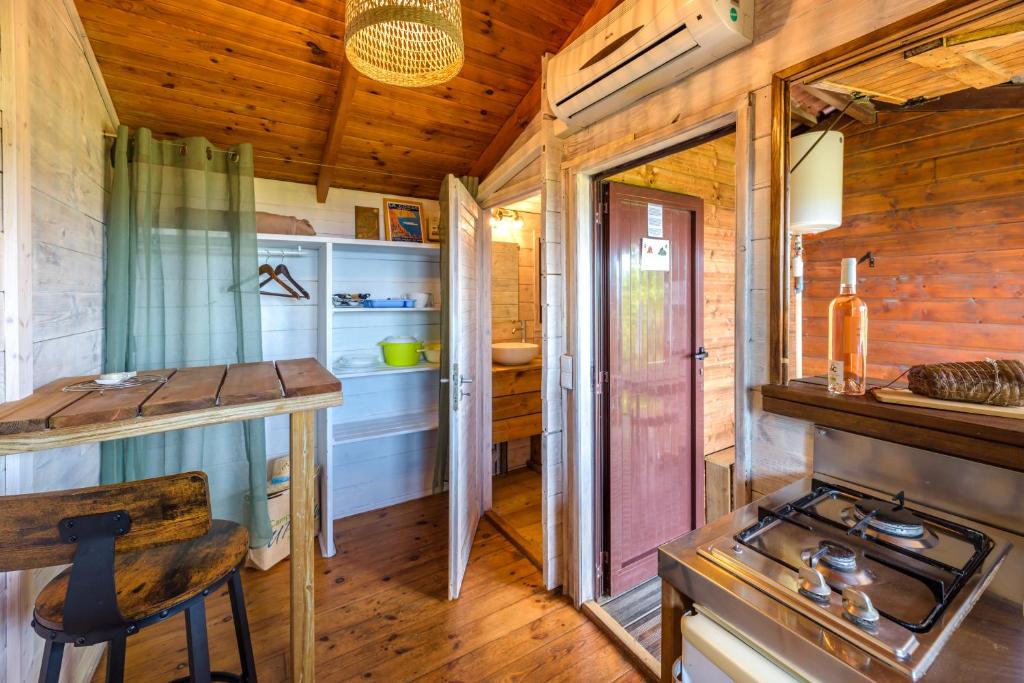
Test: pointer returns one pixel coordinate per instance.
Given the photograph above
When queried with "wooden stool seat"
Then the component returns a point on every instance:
(157, 579)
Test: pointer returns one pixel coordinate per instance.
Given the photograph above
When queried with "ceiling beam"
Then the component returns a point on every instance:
(1005, 96)
(529, 106)
(861, 111)
(800, 115)
(348, 79)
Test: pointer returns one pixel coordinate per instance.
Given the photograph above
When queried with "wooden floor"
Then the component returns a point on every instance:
(516, 500)
(638, 610)
(383, 614)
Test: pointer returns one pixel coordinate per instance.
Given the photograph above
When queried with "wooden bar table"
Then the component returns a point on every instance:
(197, 397)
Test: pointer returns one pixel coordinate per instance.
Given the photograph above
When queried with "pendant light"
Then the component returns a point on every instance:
(410, 43)
(816, 182)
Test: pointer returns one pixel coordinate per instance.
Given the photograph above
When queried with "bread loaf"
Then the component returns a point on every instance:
(992, 382)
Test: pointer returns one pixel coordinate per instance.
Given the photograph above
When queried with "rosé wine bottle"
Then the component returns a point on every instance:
(848, 336)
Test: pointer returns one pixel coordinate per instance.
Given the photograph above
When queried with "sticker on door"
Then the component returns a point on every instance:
(654, 255)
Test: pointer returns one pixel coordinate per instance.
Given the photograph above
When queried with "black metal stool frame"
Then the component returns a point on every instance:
(91, 614)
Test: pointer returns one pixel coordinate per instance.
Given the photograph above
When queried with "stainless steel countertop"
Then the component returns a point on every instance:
(988, 647)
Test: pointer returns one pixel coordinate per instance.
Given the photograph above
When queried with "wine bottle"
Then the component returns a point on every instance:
(848, 336)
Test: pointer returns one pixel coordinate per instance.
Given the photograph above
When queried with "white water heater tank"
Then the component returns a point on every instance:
(816, 184)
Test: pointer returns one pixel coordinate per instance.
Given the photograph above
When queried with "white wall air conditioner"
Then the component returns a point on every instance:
(640, 47)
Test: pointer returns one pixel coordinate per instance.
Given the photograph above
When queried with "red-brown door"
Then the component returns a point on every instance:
(654, 391)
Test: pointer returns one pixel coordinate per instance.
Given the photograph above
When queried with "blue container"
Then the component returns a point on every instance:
(389, 303)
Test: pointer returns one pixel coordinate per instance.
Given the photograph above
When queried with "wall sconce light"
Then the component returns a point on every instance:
(504, 223)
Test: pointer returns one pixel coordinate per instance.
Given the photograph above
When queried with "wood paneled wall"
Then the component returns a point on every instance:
(938, 198)
(709, 172)
(523, 305)
(68, 199)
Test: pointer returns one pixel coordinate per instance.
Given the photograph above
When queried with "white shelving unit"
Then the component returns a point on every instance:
(378, 448)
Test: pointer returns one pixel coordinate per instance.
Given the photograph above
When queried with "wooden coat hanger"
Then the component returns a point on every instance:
(282, 271)
(267, 270)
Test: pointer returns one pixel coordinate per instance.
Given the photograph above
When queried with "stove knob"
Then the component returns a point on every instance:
(857, 607)
(813, 585)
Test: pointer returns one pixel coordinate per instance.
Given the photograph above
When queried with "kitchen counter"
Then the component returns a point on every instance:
(988, 647)
(995, 441)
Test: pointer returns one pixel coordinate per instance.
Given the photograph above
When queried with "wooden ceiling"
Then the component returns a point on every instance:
(980, 54)
(268, 71)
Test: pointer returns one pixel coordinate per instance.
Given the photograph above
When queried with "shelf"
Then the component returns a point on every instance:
(432, 249)
(374, 428)
(997, 441)
(361, 309)
(383, 245)
(382, 369)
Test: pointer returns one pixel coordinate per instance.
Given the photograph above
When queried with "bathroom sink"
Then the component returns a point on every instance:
(513, 353)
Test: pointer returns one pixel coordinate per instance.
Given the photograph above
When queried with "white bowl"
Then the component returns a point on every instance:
(513, 353)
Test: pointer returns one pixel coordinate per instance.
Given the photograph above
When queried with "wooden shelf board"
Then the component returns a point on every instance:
(375, 428)
(997, 441)
(382, 369)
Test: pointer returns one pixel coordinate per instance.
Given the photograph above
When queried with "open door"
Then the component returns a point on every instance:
(468, 380)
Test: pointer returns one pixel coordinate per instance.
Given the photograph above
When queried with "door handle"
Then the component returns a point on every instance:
(701, 354)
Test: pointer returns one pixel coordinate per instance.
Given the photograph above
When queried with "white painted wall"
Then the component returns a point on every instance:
(67, 114)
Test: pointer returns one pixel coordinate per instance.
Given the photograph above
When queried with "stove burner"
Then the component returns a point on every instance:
(889, 518)
(837, 556)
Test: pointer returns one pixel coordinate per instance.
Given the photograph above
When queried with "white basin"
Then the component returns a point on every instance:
(513, 353)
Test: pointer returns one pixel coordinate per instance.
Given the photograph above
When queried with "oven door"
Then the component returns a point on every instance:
(711, 654)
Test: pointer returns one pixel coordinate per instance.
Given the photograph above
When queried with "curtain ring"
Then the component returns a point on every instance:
(183, 150)
(209, 154)
(234, 157)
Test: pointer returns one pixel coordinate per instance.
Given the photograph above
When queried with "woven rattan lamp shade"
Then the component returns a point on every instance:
(405, 42)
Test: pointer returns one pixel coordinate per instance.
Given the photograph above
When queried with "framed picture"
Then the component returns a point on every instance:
(434, 229)
(403, 220)
(367, 223)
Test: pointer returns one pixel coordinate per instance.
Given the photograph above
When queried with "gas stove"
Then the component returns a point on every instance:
(865, 569)
(880, 572)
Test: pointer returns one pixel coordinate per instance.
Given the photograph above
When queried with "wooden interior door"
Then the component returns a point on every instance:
(468, 345)
(653, 391)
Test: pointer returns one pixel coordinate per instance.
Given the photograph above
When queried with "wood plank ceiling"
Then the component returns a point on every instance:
(267, 72)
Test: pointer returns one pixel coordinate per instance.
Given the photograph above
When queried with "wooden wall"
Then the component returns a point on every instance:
(708, 171)
(67, 203)
(771, 450)
(508, 307)
(938, 198)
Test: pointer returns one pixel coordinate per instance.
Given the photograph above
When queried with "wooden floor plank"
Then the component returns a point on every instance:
(382, 614)
(516, 497)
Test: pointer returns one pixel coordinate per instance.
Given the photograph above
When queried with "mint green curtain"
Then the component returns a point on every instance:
(181, 291)
(441, 459)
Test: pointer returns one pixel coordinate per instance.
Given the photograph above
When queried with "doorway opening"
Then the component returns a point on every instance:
(517, 375)
(665, 285)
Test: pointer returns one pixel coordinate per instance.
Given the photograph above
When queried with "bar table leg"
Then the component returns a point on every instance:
(301, 458)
